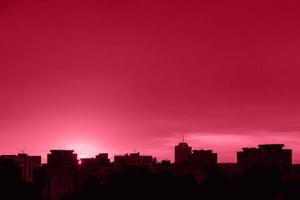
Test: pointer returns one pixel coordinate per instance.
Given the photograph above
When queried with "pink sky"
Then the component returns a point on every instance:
(118, 76)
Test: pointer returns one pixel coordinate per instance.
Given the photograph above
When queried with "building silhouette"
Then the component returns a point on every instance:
(134, 159)
(99, 160)
(99, 168)
(64, 177)
(28, 164)
(61, 174)
(204, 158)
(62, 158)
(183, 153)
(265, 156)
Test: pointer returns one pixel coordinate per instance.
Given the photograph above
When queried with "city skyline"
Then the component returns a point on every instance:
(149, 99)
(194, 173)
(182, 153)
(86, 151)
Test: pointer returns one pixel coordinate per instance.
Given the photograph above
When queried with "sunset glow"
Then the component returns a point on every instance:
(122, 76)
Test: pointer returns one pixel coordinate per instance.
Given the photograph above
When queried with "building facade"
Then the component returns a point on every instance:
(183, 153)
(61, 173)
(28, 164)
(204, 158)
(266, 156)
(134, 159)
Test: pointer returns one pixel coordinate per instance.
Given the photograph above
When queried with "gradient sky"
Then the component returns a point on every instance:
(121, 76)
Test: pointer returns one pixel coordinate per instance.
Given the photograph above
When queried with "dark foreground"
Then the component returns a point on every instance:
(165, 183)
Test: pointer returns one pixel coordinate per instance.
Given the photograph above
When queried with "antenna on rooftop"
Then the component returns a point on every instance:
(183, 138)
(23, 150)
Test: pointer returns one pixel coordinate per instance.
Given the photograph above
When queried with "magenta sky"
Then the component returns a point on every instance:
(110, 76)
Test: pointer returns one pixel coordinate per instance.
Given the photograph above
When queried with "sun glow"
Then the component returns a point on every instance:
(85, 150)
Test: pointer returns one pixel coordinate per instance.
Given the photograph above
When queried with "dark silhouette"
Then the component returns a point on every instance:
(12, 185)
(183, 153)
(266, 156)
(260, 173)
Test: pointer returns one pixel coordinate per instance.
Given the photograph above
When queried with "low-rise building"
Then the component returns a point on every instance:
(134, 159)
(204, 158)
(28, 164)
(265, 156)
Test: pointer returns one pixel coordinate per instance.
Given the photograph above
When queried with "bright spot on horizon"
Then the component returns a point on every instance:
(84, 150)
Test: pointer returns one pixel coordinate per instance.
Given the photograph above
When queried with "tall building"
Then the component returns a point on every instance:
(182, 153)
(266, 155)
(204, 158)
(62, 174)
(28, 164)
